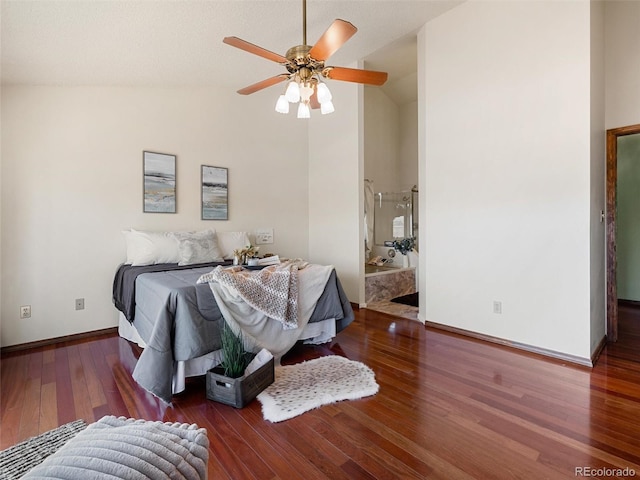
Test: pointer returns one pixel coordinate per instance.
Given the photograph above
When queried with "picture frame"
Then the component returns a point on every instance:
(214, 193)
(159, 182)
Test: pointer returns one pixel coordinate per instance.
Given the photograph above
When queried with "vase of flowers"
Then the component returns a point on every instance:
(404, 246)
(242, 255)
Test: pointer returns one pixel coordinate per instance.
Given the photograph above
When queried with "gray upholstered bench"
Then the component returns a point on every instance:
(132, 449)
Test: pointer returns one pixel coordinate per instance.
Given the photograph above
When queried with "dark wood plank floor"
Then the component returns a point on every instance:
(448, 407)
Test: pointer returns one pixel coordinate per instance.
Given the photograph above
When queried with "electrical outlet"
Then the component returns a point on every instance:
(79, 303)
(25, 311)
(264, 236)
(497, 307)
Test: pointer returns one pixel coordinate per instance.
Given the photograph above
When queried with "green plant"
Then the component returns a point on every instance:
(404, 245)
(235, 358)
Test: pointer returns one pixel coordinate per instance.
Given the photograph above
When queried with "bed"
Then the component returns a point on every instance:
(177, 321)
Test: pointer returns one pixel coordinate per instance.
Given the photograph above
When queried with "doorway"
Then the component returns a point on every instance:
(390, 173)
(611, 242)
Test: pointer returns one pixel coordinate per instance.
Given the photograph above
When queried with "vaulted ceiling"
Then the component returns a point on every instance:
(167, 43)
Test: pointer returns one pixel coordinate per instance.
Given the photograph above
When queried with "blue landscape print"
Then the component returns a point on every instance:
(159, 183)
(215, 199)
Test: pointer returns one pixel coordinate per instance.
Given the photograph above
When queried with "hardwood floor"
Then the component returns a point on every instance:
(448, 407)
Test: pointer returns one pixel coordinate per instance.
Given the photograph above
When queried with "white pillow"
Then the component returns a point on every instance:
(139, 249)
(164, 246)
(230, 241)
(148, 248)
(198, 247)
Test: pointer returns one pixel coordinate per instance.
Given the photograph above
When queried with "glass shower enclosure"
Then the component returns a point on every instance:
(396, 216)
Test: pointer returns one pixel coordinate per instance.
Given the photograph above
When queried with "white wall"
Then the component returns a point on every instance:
(408, 146)
(622, 62)
(598, 160)
(507, 149)
(381, 140)
(72, 180)
(336, 202)
(390, 142)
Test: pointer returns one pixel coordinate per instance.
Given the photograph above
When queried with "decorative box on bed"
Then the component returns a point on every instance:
(178, 321)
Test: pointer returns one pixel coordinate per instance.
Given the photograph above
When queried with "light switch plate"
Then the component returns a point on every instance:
(264, 236)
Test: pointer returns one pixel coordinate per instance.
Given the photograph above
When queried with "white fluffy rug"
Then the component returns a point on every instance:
(308, 385)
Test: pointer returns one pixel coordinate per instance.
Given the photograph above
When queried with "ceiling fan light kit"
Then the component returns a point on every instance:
(282, 105)
(306, 69)
(327, 107)
(303, 110)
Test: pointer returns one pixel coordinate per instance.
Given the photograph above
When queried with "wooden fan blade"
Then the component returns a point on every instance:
(313, 99)
(332, 39)
(263, 84)
(256, 50)
(369, 77)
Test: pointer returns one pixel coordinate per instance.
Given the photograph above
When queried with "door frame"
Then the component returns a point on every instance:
(611, 197)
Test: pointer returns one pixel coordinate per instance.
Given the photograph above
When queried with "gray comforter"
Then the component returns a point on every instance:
(180, 320)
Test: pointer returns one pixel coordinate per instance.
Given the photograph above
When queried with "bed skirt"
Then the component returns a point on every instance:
(314, 333)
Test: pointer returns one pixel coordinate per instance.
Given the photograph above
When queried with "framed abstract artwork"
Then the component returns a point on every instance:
(159, 170)
(215, 193)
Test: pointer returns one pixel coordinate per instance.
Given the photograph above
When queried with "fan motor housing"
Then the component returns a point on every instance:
(298, 54)
(299, 58)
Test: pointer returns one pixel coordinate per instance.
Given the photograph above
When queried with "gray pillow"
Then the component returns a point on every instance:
(198, 247)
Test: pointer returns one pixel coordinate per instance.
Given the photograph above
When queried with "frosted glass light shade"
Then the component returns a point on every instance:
(293, 92)
(327, 107)
(324, 95)
(303, 111)
(305, 92)
(282, 105)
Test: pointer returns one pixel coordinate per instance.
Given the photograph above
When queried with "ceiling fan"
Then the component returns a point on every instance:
(306, 68)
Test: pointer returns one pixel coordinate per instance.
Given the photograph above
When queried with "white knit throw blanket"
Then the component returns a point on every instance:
(272, 291)
(261, 331)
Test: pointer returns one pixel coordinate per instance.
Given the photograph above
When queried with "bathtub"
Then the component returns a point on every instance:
(384, 283)
(382, 269)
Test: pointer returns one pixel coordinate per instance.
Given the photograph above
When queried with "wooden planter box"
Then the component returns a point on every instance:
(238, 392)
